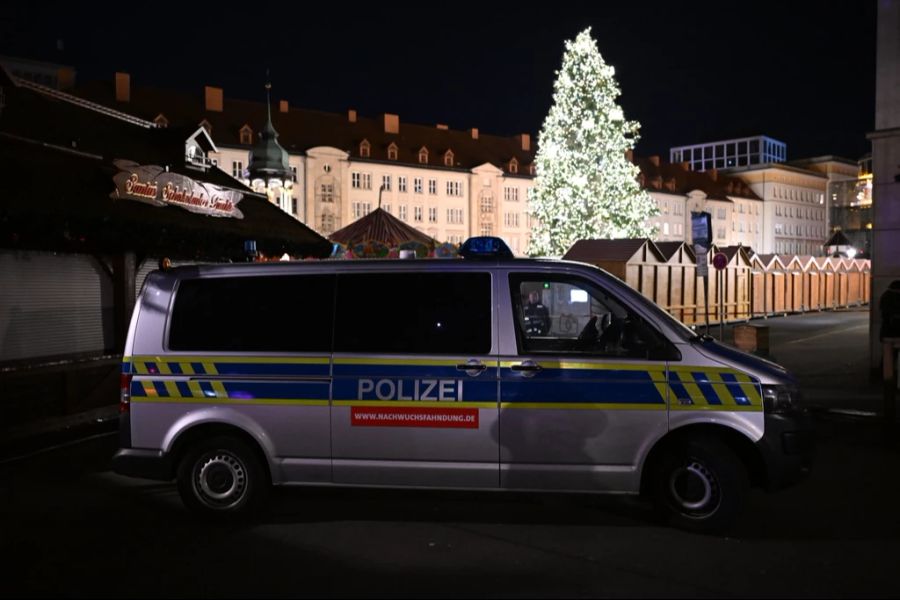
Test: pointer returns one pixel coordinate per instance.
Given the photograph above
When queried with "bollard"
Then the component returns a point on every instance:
(752, 338)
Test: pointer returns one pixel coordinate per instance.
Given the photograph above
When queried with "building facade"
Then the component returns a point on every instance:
(449, 184)
(724, 154)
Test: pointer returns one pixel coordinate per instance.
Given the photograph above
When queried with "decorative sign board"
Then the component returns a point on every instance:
(154, 185)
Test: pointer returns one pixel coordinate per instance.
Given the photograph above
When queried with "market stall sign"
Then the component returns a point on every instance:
(155, 185)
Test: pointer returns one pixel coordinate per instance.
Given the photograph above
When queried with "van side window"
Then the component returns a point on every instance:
(568, 315)
(291, 313)
(414, 313)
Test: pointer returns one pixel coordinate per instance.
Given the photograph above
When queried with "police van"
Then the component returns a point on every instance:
(428, 374)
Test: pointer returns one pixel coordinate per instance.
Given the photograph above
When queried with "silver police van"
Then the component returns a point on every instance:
(486, 372)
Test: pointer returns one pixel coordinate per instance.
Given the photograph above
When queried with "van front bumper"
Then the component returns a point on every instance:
(146, 464)
(788, 448)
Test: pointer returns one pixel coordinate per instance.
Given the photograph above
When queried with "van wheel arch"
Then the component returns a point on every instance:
(204, 431)
(736, 441)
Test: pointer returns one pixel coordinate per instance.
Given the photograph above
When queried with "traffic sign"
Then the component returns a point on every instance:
(719, 261)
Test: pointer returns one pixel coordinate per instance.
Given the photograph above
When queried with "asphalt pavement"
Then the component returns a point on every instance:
(71, 527)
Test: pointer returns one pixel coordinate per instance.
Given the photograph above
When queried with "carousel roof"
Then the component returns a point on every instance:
(380, 226)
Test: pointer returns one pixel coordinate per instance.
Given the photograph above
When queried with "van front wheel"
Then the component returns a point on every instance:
(701, 485)
(221, 477)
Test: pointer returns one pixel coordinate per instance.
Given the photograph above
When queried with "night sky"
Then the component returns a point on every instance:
(799, 71)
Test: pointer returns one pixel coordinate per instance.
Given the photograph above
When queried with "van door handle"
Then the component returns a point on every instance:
(472, 365)
(528, 368)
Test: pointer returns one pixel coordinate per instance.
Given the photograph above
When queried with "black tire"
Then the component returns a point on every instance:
(700, 485)
(222, 478)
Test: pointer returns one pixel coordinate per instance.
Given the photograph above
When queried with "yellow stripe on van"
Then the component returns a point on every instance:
(425, 362)
(205, 358)
(693, 390)
(241, 401)
(196, 390)
(585, 405)
(149, 388)
(219, 388)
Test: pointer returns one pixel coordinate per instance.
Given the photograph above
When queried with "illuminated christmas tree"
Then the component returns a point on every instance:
(585, 186)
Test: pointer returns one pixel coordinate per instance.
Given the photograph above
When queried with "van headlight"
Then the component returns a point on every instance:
(780, 398)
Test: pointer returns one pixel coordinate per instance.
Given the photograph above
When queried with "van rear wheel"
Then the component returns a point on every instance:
(701, 485)
(221, 477)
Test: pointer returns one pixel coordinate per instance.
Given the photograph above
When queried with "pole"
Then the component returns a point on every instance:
(721, 304)
(706, 300)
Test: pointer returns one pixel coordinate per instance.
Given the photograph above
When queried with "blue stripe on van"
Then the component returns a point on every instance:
(736, 390)
(706, 387)
(681, 393)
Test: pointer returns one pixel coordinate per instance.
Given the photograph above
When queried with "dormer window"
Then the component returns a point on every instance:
(365, 149)
(161, 120)
(392, 151)
(531, 169)
(246, 135)
(423, 155)
(513, 166)
(207, 126)
(448, 158)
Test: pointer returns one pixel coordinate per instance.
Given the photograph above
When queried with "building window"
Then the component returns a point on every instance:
(455, 216)
(454, 188)
(513, 166)
(161, 120)
(721, 233)
(386, 207)
(326, 192)
(417, 185)
(417, 214)
(487, 203)
(367, 181)
(432, 186)
(365, 149)
(386, 182)
(720, 213)
(246, 135)
(237, 169)
(355, 180)
(294, 174)
(392, 151)
(402, 214)
(432, 214)
(511, 194)
(327, 224)
(448, 158)
(679, 229)
(511, 219)
(665, 229)
(361, 209)
(401, 183)
(423, 155)
(487, 229)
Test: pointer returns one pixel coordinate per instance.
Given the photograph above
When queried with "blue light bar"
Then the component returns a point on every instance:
(485, 247)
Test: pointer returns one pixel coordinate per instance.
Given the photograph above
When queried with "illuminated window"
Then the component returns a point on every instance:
(246, 135)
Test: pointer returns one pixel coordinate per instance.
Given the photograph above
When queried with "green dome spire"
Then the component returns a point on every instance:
(268, 159)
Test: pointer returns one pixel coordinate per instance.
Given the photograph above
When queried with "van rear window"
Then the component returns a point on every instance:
(414, 313)
(254, 314)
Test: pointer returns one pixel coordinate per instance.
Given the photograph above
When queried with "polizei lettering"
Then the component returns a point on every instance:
(439, 390)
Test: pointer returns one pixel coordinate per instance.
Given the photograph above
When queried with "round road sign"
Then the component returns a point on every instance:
(719, 261)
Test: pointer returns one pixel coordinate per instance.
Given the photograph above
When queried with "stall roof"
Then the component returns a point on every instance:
(55, 200)
(380, 226)
(56, 177)
(592, 251)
